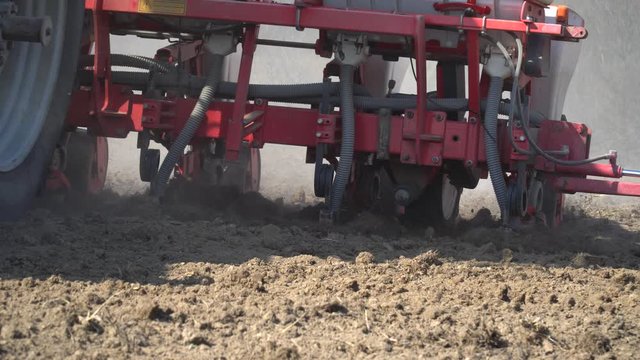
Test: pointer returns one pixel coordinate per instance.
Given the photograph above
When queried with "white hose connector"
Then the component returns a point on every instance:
(497, 66)
(221, 44)
(351, 49)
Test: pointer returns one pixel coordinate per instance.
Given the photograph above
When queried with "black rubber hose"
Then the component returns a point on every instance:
(397, 104)
(299, 93)
(190, 83)
(494, 163)
(132, 61)
(434, 104)
(347, 110)
(176, 151)
(288, 91)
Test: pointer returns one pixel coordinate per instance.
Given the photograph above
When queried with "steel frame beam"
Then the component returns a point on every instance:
(324, 18)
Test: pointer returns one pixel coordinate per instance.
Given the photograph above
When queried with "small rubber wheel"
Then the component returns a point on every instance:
(149, 163)
(242, 175)
(552, 207)
(254, 171)
(35, 87)
(87, 162)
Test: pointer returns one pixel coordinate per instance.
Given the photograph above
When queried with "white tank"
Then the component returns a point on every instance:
(501, 9)
(549, 93)
(377, 72)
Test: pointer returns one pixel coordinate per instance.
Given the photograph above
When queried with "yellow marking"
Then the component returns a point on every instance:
(164, 7)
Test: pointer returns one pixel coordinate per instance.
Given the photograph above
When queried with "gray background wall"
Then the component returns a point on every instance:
(605, 88)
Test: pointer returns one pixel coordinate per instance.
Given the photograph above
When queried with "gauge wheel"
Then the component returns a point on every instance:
(439, 204)
(87, 162)
(242, 175)
(552, 207)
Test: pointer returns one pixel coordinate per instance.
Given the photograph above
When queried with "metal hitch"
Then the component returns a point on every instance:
(28, 29)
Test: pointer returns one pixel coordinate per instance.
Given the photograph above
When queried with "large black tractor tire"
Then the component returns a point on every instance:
(19, 185)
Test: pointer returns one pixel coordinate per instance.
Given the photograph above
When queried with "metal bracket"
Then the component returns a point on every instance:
(221, 44)
(384, 133)
(429, 142)
(326, 129)
(462, 6)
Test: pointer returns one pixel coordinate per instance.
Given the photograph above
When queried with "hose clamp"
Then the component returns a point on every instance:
(465, 13)
(298, 16)
(484, 25)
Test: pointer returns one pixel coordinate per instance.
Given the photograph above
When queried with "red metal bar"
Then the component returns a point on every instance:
(235, 126)
(421, 72)
(473, 131)
(602, 170)
(319, 17)
(101, 63)
(279, 125)
(476, 24)
(571, 185)
(285, 15)
(107, 109)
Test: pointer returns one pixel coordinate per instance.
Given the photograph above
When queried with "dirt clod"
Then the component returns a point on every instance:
(157, 314)
(504, 294)
(587, 260)
(625, 278)
(595, 343)
(199, 340)
(364, 258)
(336, 308)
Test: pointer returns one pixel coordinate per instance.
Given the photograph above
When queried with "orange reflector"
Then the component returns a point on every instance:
(563, 14)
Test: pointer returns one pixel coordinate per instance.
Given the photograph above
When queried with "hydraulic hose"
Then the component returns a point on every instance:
(193, 123)
(433, 104)
(289, 91)
(300, 93)
(396, 104)
(531, 118)
(491, 144)
(348, 139)
(191, 83)
(131, 61)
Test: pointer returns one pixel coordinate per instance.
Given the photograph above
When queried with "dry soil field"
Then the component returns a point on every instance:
(126, 277)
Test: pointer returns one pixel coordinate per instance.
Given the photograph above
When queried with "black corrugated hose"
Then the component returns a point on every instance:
(176, 151)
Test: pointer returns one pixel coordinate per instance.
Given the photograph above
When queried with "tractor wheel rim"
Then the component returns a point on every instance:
(450, 195)
(28, 84)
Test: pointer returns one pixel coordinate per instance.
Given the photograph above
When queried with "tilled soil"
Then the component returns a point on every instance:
(133, 278)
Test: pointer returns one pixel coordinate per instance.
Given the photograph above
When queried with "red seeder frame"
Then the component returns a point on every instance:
(418, 137)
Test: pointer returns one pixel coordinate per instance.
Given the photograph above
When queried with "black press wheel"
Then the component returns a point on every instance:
(243, 175)
(87, 162)
(35, 84)
(438, 206)
(552, 207)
